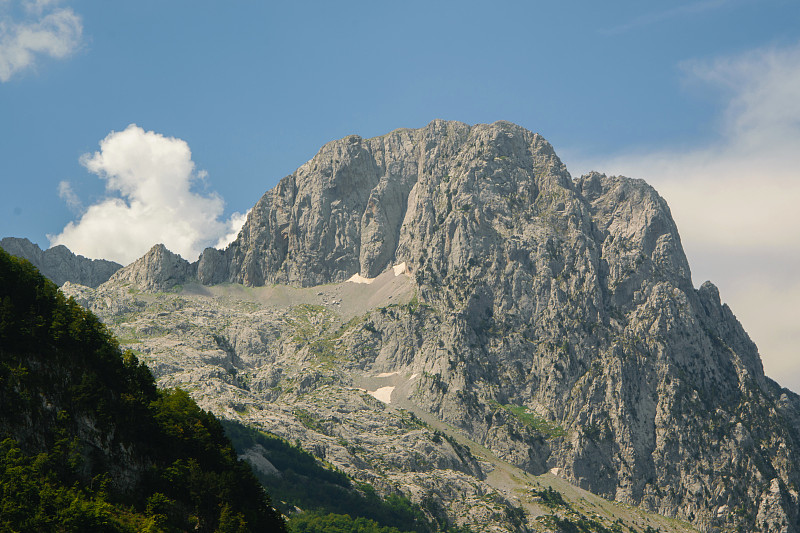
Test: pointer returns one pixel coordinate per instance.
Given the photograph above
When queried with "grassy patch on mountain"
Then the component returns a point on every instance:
(528, 419)
(543, 426)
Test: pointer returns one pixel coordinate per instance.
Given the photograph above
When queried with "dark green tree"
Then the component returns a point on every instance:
(88, 443)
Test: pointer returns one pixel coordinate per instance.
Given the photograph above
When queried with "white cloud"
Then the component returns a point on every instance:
(39, 6)
(763, 111)
(45, 31)
(771, 313)
(150, 200)
(66, 193)
(736, 200)
(235, 224)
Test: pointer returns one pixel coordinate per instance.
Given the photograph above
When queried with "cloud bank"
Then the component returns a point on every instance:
(736, 200)
(149, 180)
(44, 31)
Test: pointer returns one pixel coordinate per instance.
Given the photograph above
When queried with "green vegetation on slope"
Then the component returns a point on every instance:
(543, 426)
(316, 522)
(330, 500)
(87, 442)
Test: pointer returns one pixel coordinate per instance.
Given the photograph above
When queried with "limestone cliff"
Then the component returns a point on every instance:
(554, 320)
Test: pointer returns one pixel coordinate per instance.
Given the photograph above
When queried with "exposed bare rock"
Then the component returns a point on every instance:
(211, 267)
(60, 265)
(307, 364)
(157, 270)
(552, 320)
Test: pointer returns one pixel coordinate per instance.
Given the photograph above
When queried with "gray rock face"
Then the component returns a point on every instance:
(211, 267)
(339, 214)
(554, 321)
(157, 270)
(60, 265)
(310, 364)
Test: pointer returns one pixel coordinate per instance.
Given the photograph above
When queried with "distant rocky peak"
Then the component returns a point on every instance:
(157, 270)
(60, 265)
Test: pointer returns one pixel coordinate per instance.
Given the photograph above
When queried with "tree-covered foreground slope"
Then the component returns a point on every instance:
(87, 442)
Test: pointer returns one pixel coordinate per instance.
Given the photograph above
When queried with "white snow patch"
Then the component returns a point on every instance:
(400, 269)
(413, 376)
(383, 394)
(386, 374)
(555, 471)
(358, 278)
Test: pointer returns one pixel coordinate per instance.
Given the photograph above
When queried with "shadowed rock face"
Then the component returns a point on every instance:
(572, 299)
(60, 265)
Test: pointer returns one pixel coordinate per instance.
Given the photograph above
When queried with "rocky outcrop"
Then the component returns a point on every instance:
(311, 366)
(555, 320)
(60, 265)
(211, 267)
(157, 270)
(339, 214)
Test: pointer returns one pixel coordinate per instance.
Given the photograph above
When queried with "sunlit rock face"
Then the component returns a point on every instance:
(551, 319)
(157, 270)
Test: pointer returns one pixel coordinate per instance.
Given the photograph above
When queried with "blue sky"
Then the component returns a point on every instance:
(700, 98)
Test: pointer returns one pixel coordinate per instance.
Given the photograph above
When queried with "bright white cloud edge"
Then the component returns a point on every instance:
(736, 199)
(56, 34)
(150, 199)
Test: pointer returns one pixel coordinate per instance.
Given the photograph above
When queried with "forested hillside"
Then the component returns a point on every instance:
(87, 442)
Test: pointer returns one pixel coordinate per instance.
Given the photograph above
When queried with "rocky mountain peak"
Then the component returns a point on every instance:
(60, 265)
(361, 205)
(157, 270)
(553, 320)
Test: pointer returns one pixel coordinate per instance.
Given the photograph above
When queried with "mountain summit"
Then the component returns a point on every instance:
(360, 206)
(552, 320)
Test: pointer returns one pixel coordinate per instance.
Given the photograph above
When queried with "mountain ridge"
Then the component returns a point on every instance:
(59, 264)
(554, 321)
